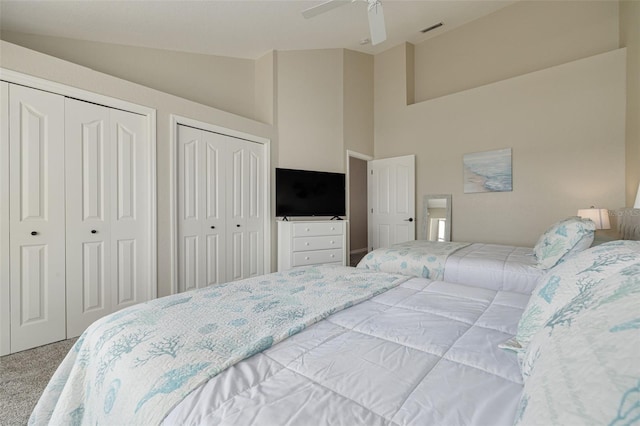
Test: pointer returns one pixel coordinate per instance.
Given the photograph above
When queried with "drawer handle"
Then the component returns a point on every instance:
(307, 229)
(34, 233)
(333, 229)
(333, 255)
(333, 242)
(306, 244)
(306, 258)
(93, 231)
(213, 227)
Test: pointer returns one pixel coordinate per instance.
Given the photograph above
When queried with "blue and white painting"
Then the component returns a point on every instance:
(488, 171)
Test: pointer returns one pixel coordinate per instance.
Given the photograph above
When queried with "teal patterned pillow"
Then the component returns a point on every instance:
(563, 240)
(584, 367)
(576, 276)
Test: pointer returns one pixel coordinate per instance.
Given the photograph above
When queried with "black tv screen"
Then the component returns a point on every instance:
(309, 193)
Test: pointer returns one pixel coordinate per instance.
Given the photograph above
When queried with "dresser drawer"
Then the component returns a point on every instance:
(317, 257)
(317, 243)
(315, 229)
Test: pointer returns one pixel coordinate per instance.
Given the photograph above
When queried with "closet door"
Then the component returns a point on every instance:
(107, 236)
(201, 208)
(245, 203)
(5, 304)
(88, 243)
(37, 217)
(130, 208)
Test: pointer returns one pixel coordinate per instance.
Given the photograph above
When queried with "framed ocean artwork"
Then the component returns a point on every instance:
(488, 171)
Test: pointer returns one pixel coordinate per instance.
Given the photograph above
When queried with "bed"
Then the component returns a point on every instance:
(492, 266)
(379, 349)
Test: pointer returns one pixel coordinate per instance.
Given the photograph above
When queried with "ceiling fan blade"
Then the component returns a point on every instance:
(323, 7)
(376, 22)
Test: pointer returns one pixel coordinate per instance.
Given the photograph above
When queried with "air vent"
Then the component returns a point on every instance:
(433, 27)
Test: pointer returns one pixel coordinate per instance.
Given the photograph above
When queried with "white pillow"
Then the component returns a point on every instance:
(584, 368)
(561, 284)
(563, 240)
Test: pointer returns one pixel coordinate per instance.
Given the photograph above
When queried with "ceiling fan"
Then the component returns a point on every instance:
(376, 16)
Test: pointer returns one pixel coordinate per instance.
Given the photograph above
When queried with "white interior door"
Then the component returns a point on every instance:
(391, 195)
(107, 230)
(5, 303)
(37, 217)
(245, 201)
(130, 208)
(88, 210)
(201, 208)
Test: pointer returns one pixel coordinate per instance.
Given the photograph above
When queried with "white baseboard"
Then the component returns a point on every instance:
(357, 251)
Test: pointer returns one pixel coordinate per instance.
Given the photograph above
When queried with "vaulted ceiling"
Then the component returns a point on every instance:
(239, 28)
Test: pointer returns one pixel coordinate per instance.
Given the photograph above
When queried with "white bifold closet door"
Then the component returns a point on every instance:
(37, 217)
(220, 208)
(107, 237)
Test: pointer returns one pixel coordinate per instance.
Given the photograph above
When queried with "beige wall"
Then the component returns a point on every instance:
(217, 81)
(27, 61)
(565, 125)
(524, 37)
(265, 87)
(358, 102)
(358, 203)
(309, 109)
(630, 37)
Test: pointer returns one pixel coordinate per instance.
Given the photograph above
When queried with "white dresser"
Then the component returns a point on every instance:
(311, 243)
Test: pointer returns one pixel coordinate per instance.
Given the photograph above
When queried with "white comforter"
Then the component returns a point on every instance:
(494, 266)
(424, 353)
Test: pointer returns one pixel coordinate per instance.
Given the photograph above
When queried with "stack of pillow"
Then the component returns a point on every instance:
(578, 340)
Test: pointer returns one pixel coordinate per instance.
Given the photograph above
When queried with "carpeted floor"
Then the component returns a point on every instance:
(23, 377)
(354, 258)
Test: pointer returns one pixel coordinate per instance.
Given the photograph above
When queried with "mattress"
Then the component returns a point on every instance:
(425, 352)
(494, 266)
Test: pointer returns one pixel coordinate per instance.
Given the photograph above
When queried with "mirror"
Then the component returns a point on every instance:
(436, 217)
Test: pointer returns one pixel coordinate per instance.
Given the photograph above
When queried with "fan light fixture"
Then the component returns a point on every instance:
(377, 28)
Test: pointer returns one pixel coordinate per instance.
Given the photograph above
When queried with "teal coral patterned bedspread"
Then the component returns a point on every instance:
(134, 366)
(417, 258)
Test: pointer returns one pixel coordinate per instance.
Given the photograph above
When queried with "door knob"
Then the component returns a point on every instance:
(34, 233)
(93, 231)
(409, 220)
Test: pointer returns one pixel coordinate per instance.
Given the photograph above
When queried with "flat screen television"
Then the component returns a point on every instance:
(309, 193)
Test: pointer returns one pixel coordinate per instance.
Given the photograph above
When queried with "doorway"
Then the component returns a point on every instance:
(358, 229)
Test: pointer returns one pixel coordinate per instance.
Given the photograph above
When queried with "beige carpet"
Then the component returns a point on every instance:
(23, 377)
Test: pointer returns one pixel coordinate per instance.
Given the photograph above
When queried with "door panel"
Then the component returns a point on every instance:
(245, 221)
(236, 259)
(129, 232)
(127, 282)
(126, 147)
(213, 225)
(37, 222)
(5, 304)
(93, 276)
(201, 200)
(188, 207)
(88, 204)
(391, 199)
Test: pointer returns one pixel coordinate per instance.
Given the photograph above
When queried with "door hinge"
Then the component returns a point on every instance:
(371, 210)
(371, 171)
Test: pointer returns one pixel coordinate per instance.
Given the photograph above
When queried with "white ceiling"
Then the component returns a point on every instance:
(239, 28)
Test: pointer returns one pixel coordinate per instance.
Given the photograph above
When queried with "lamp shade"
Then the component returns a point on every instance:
(599, 216)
